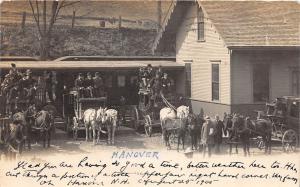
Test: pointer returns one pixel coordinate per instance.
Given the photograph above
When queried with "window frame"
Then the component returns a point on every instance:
(269, 83)
(295, 89)
(215, 82)
(200, 22)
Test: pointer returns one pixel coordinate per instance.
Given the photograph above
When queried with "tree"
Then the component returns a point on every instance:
(44, 27)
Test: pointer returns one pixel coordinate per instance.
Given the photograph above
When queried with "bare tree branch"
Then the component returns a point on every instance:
(38, 12)
(53, 14)
(45, 16)
(34, 15)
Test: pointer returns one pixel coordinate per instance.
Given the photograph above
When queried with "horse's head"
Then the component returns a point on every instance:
(101, 115)
(31, 111)
(183, 111)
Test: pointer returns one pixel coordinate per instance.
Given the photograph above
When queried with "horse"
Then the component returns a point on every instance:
(241, 133)
(43, 122)
(27, 120)
(195, 123)
(13, 141)
(109, 118)
(89, 120)
(168, 117)
(261, 127)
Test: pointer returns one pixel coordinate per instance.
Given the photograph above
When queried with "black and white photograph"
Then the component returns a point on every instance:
(149, 93)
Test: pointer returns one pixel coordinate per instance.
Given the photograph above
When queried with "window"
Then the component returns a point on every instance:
(215, 82)
(188, 79)
(121, 81)
(296, 83)
(260, 82)
(294, 112)
(200, 20)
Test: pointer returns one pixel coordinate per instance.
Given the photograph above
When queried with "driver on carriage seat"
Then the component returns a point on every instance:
(88, 85)
(26, 83)
(166, 84)
(280, 107)
(79, 85)
(98, 85)
(155, 85)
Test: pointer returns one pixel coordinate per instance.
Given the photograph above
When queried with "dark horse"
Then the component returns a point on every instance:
(176, 127)
(263, 128)
(43, 124)
(11, 139)
(241, 133)
(27, 121)
(195, 123)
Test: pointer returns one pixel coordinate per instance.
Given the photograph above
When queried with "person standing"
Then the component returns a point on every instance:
(88, 85)
(166, 84)
(49, 86)
(79, 85)
(207, 136)
(219, 133)
(98, 85)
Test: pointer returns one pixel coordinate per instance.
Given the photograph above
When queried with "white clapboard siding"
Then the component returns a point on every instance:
(201, 54)
(281, 65)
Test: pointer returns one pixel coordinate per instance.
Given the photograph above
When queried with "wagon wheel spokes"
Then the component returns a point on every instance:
(148, 126)
(289, 141)
(136, 119)
(260, 143)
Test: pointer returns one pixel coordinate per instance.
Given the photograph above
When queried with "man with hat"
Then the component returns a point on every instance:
(79, 85)
(98, 85)
(88, 84)
(166, 84)
(27, 82)
(220, 128)
(207, 136)
(155, 85)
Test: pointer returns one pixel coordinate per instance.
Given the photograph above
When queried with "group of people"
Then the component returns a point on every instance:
(212, 134)
(23, 86)
(155, 81)
(90, 86)
(17, 85)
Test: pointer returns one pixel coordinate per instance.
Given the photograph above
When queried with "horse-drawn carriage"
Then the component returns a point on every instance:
(285, 117)
(80, 104)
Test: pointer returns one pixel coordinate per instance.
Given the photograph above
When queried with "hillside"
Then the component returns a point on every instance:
(88, 13)
(78, 41)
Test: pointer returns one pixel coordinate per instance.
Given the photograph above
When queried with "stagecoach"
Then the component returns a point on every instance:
(80, 104)
(147, 111)
(285, 121)
(120, 76)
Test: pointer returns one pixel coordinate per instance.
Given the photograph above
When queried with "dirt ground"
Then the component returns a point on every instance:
(126, 139)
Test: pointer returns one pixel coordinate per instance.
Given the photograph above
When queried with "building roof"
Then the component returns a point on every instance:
(89, 65)
(256, 23)
(247, 23)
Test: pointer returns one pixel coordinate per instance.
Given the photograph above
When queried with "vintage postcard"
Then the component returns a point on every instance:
(149, 93)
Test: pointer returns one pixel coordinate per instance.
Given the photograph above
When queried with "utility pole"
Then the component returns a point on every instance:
(159, 13)
(120, 22)
(73, 18)
(23, 22)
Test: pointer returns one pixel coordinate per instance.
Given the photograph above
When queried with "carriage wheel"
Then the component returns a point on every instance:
(260, 143)
(148, 126)
(136, 123)
(289, 141)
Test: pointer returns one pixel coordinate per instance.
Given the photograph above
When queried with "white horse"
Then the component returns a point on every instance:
(183, 111)
(167, 113)
(109, 118)
(91, 122)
